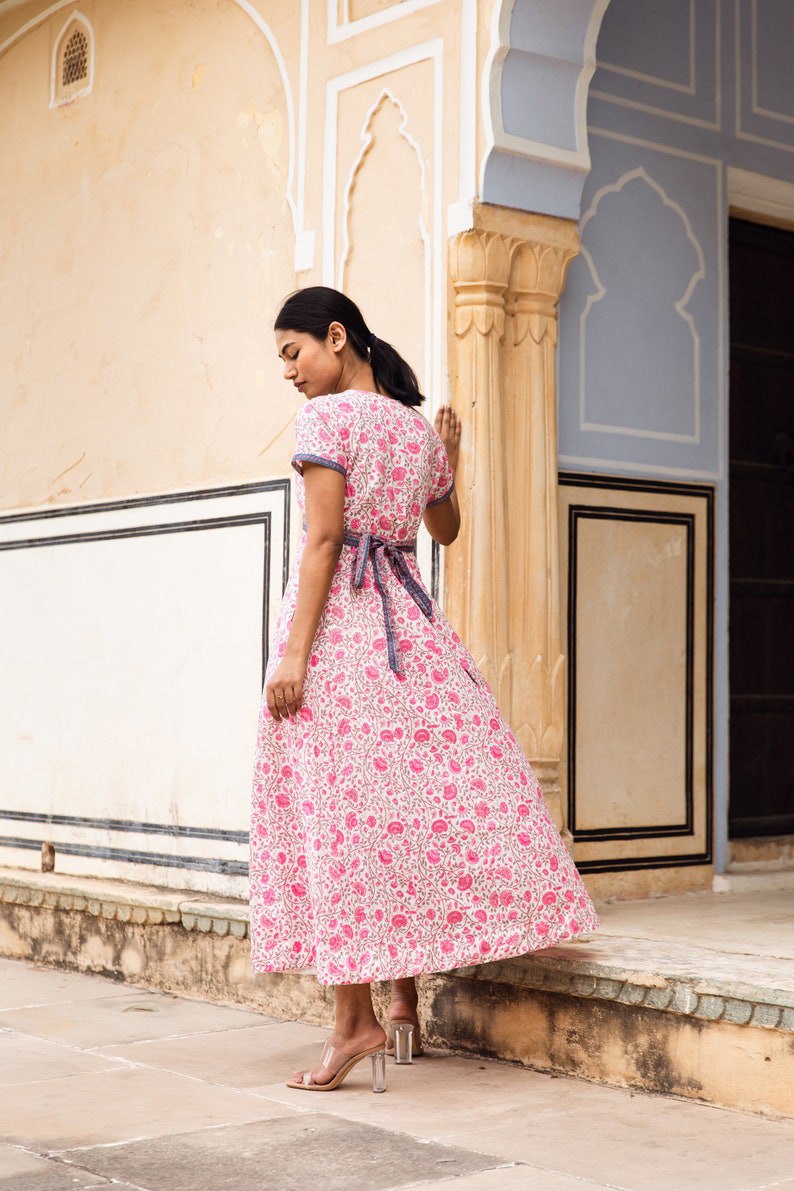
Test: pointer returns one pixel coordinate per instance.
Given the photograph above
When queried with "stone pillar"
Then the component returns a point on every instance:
(503, 573)
(476, 565)
(537, 709)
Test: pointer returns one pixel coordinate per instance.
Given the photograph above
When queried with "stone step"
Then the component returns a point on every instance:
(661, 1014)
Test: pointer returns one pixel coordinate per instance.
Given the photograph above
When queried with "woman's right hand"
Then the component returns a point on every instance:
(448, 425)
(284, 691)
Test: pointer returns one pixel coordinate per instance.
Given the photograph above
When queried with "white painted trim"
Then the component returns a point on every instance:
(722, 304)
(56, 100)
(304, 240)
(714, 125)
(586, 74)
(342, 30)
(432, 51)
(495, 136)
(658, 145)
(754, 105)
(367, 139)
(756, 193)
(680, 307)
(632, 468)
(620, 102)
(741, 133)
(656, 80)
(467, 132)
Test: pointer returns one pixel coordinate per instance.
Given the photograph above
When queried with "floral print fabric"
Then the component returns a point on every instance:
(396, 824)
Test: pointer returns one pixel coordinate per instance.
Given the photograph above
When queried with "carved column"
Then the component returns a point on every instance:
(537, 709)
(476, 568)
(503, 572)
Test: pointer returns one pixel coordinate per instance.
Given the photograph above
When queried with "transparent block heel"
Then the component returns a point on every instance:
(403, 1042)
(379, 1071)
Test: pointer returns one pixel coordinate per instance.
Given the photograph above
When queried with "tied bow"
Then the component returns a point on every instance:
(368, 546)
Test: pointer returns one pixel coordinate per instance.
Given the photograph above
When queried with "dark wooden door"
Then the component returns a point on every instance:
(761, 529)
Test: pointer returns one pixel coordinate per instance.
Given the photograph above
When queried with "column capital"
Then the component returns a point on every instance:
(537, 276)
(480, 271)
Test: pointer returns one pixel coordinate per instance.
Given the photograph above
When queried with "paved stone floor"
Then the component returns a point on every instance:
(106, 1085)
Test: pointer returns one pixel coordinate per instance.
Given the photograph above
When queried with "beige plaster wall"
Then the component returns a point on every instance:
(146, 243)
(150, 228)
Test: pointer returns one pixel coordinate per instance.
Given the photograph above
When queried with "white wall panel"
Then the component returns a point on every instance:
(130, 680)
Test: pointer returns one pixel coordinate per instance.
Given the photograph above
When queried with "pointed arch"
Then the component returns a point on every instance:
(535, 86)
(72, 70)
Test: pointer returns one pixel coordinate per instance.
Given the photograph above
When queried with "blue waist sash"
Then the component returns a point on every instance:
(369, 546)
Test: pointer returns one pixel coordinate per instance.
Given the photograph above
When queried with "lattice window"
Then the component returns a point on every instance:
(75, 59)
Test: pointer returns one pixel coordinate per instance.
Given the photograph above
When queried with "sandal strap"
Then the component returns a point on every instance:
(332, 1059)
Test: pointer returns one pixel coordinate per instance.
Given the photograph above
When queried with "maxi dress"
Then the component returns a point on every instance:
(396, 824)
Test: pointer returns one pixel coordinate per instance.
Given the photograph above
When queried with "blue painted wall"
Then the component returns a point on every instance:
(683, 89)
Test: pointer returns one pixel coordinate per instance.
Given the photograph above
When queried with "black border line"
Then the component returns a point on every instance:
(435, 567)
(230, 521)
(702, 492)
(207, 864)
(134, 502)
(129, 825)
(577, 513)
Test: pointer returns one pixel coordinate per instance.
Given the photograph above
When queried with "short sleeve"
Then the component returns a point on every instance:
(443, 479)
(321, 436)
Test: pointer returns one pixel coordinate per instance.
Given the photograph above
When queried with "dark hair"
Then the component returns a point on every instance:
(312, 310)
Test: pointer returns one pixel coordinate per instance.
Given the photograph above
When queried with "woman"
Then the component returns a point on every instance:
(397, 827)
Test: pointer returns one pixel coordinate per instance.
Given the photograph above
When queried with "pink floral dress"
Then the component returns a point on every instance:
(396, 824)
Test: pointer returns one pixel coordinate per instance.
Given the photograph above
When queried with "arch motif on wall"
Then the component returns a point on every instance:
(72, 73)
(639, 174)
(534, 104)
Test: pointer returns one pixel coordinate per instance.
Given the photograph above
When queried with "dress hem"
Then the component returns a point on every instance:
(403, 973)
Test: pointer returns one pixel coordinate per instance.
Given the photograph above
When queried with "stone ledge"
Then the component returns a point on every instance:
(122, 901)
(666, 977)
(619, 1010)
(672, 980)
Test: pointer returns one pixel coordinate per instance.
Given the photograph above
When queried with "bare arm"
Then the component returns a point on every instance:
(325, 509)
(442, 521)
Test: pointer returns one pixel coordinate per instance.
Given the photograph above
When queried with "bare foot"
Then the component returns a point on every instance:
(449, 428)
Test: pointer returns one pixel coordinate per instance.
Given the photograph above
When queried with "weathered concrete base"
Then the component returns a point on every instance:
(611, 1042)
(708, 1024)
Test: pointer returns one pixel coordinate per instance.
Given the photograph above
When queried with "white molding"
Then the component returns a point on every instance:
(639, 173)
(432, 51)
(761, 195)
(304, 240)
(367, 140)
(342, 30)
(754, 105)
(713, 125)
(632, 468)
(656, 80)
(742, 133)
(74, 18)
(659, 146)
(496, 138)
(722, 305)
(467, 132)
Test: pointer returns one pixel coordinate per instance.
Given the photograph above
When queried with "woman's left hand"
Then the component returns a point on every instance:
(284, 691)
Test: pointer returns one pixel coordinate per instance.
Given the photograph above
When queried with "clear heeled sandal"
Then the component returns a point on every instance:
(404, 1041)
(341, 1065)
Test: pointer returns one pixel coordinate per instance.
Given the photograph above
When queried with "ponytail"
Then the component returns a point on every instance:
(312, 310)
(393, 374)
